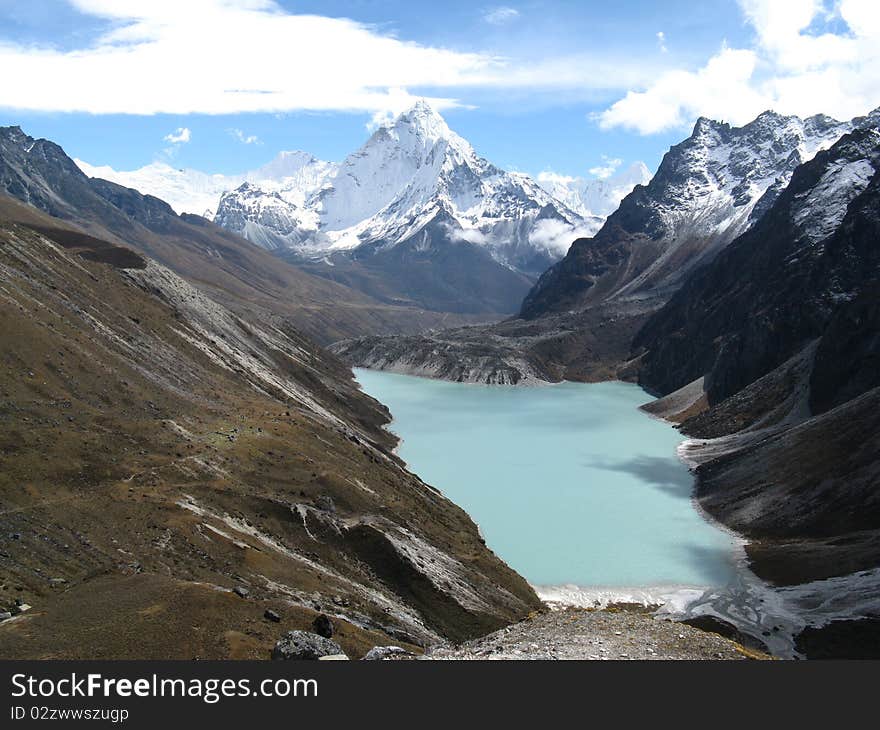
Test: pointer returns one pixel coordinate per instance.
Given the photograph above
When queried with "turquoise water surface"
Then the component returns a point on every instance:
(570, 483)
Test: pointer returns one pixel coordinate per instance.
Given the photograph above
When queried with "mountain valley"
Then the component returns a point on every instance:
(160, 374)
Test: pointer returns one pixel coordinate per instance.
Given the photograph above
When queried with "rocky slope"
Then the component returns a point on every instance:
(773, 292)
(39, 173)
(774, 349)
(782, 330)
(159, 450)
(708, 190)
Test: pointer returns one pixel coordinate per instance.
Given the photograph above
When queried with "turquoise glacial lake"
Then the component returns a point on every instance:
(571, 484)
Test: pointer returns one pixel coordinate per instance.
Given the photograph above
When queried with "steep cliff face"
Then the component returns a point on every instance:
(159, 450)
(777, 287)
(770, 356)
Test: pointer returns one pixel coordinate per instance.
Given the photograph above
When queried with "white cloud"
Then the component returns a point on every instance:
(607, 168)
(790, 68)
(548, 178)
(227, 56)
(500, 15)
(661, 42)
(557, 236)
(469, 235)
(234, 56)
(181, 135)
(244, 138)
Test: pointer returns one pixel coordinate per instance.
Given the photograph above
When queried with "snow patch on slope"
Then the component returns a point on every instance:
(820, 212)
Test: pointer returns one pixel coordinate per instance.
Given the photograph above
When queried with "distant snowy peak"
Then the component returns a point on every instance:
(722, 178)
(413, 174)
(296, 175)
(416, 173)
(186, 191)
(597, 197)
(402, 165)
(264, 217)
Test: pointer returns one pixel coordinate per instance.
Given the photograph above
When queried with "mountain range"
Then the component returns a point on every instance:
(414, 216)
(739, 285)
(38, 172)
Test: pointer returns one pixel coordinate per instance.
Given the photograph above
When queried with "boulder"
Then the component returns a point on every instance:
(378, 653)
(272, 615)
(241, 591)
(304, 645)
(323, 626)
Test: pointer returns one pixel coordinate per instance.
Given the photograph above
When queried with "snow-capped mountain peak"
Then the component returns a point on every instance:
(412, 174)
(595, 197)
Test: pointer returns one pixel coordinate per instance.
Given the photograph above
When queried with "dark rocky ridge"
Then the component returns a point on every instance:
(668, 228)
(771, 292)
(779, 338)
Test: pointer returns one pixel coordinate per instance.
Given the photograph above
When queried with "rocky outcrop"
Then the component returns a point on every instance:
(625, 633)
(448, 356)
(381, 653)
(591, 345)
(298, 645)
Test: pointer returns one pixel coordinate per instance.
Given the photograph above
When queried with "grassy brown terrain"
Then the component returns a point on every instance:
(158, 450)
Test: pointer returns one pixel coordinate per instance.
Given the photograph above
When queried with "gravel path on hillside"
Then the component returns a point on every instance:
(615, 634)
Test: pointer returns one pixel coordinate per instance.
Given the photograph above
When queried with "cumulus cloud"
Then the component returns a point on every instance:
(181, 135)
(244, 138)
(470, 235)
(790, 67)
(607, 168)
(500, 15)
(557, 236)
(549, 178)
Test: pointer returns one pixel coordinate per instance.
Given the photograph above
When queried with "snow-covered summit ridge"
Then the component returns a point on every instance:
(413, 172)
(416, 177)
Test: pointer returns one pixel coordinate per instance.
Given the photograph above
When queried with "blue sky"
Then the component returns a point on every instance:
(535, 85)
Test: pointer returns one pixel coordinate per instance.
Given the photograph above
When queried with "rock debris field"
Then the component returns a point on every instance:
(612, 634)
